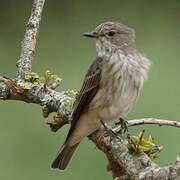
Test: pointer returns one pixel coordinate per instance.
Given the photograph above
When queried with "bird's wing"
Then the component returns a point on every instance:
(88, 91)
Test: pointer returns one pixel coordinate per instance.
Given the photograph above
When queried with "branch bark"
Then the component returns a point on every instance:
(24, 64)
(153, 121)
(123, 163)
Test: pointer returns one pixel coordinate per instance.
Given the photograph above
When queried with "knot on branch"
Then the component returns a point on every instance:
(57, 122)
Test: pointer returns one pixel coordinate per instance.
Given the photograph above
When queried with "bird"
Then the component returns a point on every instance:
(111, 85)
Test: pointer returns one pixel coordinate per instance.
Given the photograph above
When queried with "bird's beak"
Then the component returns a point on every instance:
(92, 34)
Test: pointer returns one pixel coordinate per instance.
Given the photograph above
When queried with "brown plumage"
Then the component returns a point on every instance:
(86, 94)
(111, 86)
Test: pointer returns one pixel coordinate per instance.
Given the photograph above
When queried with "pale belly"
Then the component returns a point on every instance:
(116, 98)
(121, 105)
(122, 79)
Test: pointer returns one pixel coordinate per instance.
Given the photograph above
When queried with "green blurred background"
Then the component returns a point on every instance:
(27, 147)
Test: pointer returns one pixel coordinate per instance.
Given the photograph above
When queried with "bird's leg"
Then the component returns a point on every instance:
(109, 130)
(124, 125)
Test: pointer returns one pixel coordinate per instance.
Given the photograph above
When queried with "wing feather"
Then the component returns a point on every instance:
(88, 91)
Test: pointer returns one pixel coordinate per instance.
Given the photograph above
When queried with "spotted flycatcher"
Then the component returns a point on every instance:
(111, 86)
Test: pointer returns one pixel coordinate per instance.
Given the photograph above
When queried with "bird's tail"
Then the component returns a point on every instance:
(64, 156)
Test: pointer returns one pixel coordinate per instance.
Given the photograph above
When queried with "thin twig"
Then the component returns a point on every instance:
(153, 121)
(24, 64)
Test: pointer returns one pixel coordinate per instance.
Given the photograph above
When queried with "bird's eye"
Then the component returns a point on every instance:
(111, 33)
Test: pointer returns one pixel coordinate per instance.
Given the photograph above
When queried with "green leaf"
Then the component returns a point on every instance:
(71, 103)
(31, 77)
(41, 80)
(140, 144)
(71, 93)
(27, 86)
(35, 78)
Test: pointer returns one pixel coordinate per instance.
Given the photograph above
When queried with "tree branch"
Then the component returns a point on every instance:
(130, 163)
(135, 165)
(124, 163)
(154, 121)
(24, 64)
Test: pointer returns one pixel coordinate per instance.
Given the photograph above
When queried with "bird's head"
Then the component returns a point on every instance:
(112, 35)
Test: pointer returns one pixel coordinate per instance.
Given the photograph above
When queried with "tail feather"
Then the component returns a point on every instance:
(64, 156)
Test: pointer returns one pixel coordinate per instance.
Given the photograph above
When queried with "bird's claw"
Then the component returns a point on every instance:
(109, 130)
(124, 125)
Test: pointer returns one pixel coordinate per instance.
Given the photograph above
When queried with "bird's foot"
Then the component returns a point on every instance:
(124, 125)
(109, 130)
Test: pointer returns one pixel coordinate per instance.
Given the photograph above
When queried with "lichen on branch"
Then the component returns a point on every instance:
(24, 64)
